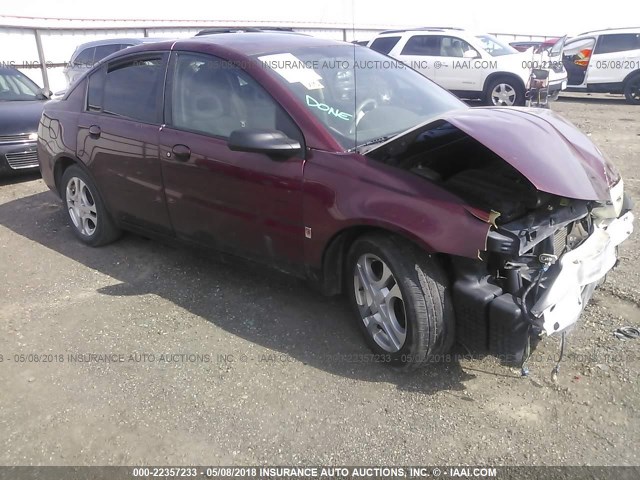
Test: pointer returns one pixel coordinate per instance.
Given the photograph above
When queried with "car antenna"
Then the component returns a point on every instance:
(355, 82)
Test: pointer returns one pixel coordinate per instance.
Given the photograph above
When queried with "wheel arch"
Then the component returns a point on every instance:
(628, 77)
(494, 75)
(336, 249)
(60, 165)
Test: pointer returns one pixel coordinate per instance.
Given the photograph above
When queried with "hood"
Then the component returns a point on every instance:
(545, 148)
(20, 117)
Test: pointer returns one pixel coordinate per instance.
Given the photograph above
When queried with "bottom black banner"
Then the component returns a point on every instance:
(318, 473)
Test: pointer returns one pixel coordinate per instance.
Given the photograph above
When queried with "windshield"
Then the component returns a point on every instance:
(360, 95)
(495, 47)
(15, 86)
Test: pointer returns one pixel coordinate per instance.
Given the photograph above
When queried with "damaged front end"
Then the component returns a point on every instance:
(536, 274)
(555, 210)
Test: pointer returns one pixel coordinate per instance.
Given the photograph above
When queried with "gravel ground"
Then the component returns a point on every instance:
(220, 363)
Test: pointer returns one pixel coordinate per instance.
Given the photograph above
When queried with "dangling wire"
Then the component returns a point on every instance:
(524, 367)
(556, 369)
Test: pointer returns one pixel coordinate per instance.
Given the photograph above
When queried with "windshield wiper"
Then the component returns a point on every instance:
(373, 142)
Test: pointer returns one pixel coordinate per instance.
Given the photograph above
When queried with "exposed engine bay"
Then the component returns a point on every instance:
(544, 255)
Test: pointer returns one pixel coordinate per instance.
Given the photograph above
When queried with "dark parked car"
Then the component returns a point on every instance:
(21, 104)
(491, 224)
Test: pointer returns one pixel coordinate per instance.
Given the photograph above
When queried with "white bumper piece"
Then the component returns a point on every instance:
(562, 303)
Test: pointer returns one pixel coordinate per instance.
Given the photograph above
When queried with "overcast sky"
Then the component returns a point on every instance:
(502, 16)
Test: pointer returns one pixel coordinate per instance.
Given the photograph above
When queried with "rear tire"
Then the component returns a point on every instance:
(85, 209)
(401, 300)
(632, 89)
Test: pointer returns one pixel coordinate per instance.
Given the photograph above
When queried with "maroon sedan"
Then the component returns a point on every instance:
(330, 161)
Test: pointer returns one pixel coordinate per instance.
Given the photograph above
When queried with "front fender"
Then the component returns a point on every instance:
(347, 191)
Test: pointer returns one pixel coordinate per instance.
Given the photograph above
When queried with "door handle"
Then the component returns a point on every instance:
(95, 131)
(181, 152)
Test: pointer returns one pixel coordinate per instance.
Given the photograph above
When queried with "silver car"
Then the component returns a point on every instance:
(90, 53)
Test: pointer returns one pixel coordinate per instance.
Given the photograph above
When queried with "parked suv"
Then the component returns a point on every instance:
(90, 53)
(431, 216)
(605, 61)
(469, 65)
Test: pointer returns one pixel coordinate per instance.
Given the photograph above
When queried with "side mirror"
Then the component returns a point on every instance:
(270, 142)
(471, 54)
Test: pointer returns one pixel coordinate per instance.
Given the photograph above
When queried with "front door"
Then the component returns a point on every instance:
(576, 58)
(244, 203)
(457, 72)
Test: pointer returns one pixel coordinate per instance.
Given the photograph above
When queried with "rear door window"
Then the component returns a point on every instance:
(428, 45)
(133, 88)
(384, 44)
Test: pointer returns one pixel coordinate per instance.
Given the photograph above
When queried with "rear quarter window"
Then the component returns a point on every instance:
(94, 91)
(618, 42)
(423, 45)
(384, 44)
(104, 51)
(85, 57)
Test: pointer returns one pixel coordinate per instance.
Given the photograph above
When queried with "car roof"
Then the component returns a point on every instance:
(239, 29)
(612, 31)
(421, 30)
(260, 43)
(112, 41)
(4, 69)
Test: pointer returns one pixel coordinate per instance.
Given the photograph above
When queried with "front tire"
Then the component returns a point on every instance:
(504, 92)
(85, 209)
(401, 299)
(632, 90)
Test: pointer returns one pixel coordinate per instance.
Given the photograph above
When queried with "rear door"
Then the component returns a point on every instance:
(244, 203)
(615, 56)
(118, 138)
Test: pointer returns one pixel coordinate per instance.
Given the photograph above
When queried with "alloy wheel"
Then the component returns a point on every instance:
(82, 207)
(503, 95)
(380, 302)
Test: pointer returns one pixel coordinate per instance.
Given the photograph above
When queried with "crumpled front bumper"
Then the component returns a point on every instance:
(563, 301)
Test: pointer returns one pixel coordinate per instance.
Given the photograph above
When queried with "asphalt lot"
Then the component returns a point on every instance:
(222, 363)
